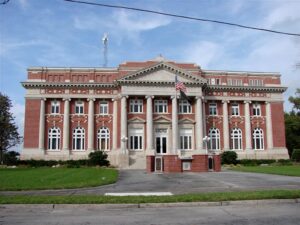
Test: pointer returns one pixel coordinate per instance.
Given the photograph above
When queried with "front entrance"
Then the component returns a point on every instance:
(161, 141)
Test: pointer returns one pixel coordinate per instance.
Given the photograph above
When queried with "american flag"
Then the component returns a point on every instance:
(179, 86)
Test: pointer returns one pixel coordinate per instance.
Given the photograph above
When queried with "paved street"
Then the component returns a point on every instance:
(139, 181)
(275, 214)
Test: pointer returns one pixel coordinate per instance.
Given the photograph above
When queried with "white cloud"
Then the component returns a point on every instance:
(203, 53)
(121, 23)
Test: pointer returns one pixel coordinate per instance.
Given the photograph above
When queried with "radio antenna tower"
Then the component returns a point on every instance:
(105, 43)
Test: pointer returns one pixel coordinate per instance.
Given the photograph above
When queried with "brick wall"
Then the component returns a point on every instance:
(32, 119)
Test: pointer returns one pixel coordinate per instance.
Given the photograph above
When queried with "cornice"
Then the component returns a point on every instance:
(156, 83)
(245, 88)
(165, 66)
(27, 84)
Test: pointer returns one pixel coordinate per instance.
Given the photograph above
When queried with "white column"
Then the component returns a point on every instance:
(199, 124)
(66, 128)
(204, 117)
(124, 137)
(269, 126)
(174, 125)
(42, 125)
(115, 124)
(247, 125)
(91, 124)
(149, 117)
(225, 125)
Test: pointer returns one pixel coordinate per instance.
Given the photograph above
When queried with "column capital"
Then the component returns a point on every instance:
(124, 96)
(199, 97)
(174, 96)
(267, 102)
(91, 99)
(66, 99)
(149, 96)
(43, 99)
(225, 101)
(247, 101)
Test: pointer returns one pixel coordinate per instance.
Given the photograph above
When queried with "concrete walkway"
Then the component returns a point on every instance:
(181, 183)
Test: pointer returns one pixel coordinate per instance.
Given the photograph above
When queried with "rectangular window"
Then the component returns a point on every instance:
(235, 109)
(136, 105)
(214, 81)
(185, 107)
(136, 139)
(234, 82)
(212, 109)
(256, 82)
(103, 108)
(161, 106)
(55, 107)
(256, 109)
(186, 139)
(79, 107)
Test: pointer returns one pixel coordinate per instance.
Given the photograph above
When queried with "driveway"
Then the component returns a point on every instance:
(180, 183)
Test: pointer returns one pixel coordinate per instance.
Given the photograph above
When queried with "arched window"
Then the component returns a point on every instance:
(236, 139)
(54, 138)
(78, 138)
(103, 138)
(258, 139)
(214, 142)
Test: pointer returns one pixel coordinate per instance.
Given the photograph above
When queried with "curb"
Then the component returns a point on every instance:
(149, 205)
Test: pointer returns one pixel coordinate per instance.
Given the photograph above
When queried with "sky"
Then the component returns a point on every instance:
(59, 33)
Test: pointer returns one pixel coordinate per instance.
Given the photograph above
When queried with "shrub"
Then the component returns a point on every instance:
(98, 158)
(296, 155)
(284, 162)
(229, 157)
(255, 162)
(11, 158)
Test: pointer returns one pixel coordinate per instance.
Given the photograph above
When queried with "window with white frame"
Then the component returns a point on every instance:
(103, 139)
(103, 108)
(256, 82)
(136, 105)
(79, 107)
(185, 107)
(234, 82)
(235, 109)
(256, 109)
(236, 139)
(214, 141)
(212, 107)
(161, 106)
(258, 139)
(136, 139)
(214, 81)
(185, 139)
(55, 107)
(78, 138)
(54, 138)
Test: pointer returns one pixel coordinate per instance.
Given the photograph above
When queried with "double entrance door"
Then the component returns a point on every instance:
(161, 141)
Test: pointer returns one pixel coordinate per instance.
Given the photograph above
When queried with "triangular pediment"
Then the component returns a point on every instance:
(136, 120)
(162, 119)
(162, 72)
(185, 121)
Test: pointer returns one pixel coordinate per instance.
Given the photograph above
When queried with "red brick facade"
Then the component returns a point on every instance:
(258, 93)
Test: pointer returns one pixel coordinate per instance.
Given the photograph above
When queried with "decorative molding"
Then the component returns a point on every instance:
(245, 88)
(27, 84)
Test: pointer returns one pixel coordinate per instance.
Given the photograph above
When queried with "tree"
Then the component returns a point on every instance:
(9, 135)
(292, 124)
(296, 101)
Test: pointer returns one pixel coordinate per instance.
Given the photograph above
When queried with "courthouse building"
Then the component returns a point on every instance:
(134, 114)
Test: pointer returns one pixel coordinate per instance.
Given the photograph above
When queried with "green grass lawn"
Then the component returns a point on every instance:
(55, 178)
(280, 170)
(201, 197)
